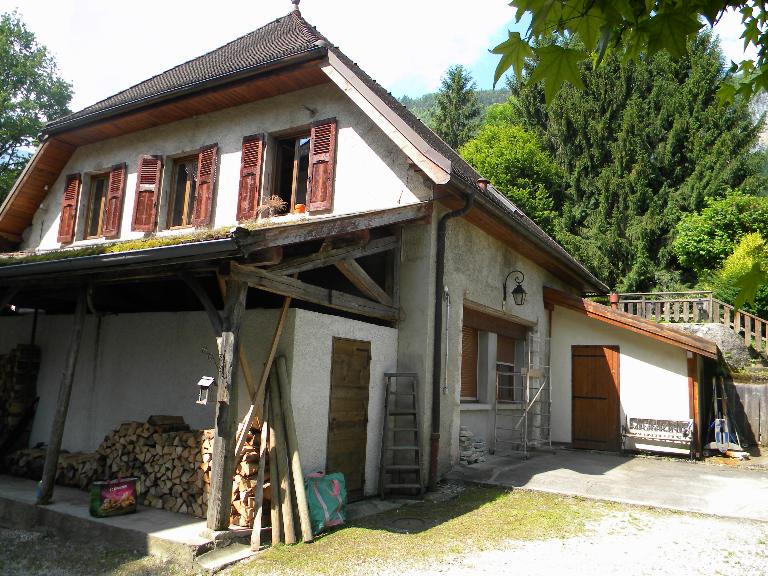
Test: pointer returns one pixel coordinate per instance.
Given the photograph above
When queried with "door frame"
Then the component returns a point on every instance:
(617, 384)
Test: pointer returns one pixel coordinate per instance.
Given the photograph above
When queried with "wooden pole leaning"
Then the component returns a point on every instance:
(62, 405)
(257, 401)
(282, 473)
(223, 464)
(259, 496)
(274, 478)
(293, 450)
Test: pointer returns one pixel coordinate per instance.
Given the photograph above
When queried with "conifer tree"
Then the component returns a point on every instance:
(457, 112)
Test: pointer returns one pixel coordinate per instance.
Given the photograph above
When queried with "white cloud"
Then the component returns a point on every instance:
(103, 47)
(729, 29)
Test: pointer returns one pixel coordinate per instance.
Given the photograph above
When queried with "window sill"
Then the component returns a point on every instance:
(474, 406)
(509, 405)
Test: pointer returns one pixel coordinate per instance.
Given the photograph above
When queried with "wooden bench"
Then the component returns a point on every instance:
(672, 431)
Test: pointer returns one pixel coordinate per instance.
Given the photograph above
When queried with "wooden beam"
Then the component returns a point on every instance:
(62, 405)
(213, 315)
(330, 257)
(220, 499)
(363, 282)
(693, 400)
(302, 291)
(282, 474)
(259, 496)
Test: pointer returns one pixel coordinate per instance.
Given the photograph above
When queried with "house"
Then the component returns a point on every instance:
(274, 174)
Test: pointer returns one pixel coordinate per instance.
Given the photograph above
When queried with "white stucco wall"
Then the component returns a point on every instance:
(134, 365)
(475, 268)
(653, 376)
(371, 172)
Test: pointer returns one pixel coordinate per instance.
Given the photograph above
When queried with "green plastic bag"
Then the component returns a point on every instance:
(327, 498)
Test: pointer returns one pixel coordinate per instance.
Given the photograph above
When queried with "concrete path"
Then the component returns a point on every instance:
(659, 482)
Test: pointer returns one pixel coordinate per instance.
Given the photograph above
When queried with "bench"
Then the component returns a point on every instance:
(672, 431)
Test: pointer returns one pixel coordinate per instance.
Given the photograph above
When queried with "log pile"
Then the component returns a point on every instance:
(171, 462)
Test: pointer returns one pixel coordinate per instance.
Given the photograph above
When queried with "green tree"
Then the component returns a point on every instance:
(628, 29)
(456, 114)
(642, 144)
(749, 257)
(703, 240)
(516, 164)
(31, 94)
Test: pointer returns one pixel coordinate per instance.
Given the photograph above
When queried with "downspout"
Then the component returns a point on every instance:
(442, 225)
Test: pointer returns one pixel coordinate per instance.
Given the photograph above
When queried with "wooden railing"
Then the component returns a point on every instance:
(697, 308)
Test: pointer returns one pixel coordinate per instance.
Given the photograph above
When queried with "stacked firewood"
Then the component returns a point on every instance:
(75, 469)
(172, 463)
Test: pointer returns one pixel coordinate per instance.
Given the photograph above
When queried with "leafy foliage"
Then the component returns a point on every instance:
(456, 109)
(742, 277)
(31, 94)
(641, 145)
(516, 164)
(703, 240)
(629, 28)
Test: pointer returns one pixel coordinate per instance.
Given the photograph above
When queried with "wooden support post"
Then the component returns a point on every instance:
(293, 450)
(62, 406)
(282, 472)
(259, 496)
(257, 399)
(363, 282)
(223, 464)
(274, 478)
(242, 354)
(693, 400)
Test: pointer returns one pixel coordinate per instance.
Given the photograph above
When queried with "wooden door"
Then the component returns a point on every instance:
(595, 388)
(348, 412)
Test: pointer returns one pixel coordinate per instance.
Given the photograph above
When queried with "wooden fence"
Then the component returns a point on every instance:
(696, 308)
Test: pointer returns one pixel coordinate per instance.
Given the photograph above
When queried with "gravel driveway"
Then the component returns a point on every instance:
(628, 542)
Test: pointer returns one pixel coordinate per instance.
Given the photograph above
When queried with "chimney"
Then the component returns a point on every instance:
(614, 301)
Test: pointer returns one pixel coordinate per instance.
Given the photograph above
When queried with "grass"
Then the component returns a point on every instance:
(479, 519)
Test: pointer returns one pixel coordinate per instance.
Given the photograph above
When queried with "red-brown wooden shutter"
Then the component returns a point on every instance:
(206, 180)
(69, 209)
(322, 158)
(114, 209)
(147, 185)
(250, 177)
(468, 363)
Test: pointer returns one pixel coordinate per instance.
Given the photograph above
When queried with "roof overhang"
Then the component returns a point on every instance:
(659, 332)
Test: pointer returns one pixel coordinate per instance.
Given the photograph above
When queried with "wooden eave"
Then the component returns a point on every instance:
(60, 143)
(659, 332)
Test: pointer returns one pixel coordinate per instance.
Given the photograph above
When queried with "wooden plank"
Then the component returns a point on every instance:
(747, 329)
(302, 291)
(282, 473)
(293, 449)
(223, 463)
(595, 397)
(693, 399)
(62, 405)
(257, 398)
(759, 330)
(330, 257)
(363, 282)
(259, 495)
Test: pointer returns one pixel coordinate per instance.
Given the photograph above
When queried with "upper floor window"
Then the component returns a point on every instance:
(292, 172)
(181, 203)
(96, 206)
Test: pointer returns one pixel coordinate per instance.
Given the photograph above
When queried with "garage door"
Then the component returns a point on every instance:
(595, 385)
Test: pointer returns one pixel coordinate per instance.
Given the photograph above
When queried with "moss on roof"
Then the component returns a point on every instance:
(113, 247)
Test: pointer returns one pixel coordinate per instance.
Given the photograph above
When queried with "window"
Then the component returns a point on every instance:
(292, 172)
(469, 344)
(96, 205)
(183, 193)
(508, 382)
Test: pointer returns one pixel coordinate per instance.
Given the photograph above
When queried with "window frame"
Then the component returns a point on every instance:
(92, 179)
(296, 135)
(189, 209)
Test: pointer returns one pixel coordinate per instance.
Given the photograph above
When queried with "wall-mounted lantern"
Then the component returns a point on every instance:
(203, 387)
(518, 292)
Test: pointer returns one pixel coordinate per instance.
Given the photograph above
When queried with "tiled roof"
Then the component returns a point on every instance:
(289, 36)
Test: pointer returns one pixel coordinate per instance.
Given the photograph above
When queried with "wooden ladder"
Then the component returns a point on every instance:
(401, 465)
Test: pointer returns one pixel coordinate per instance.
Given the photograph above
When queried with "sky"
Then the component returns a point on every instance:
(104, 46)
